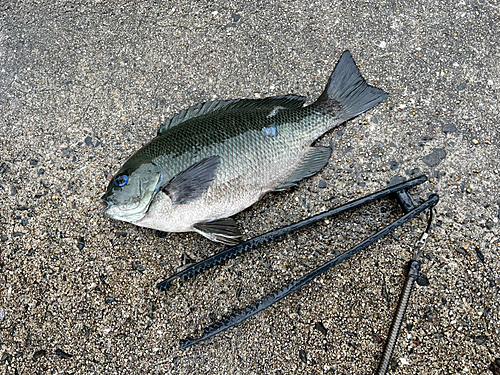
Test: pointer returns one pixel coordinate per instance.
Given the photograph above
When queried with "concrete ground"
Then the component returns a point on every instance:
(84, 85)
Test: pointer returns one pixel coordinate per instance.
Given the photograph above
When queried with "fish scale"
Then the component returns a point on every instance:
(215, 159)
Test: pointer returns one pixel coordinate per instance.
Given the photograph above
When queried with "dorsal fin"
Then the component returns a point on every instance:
(201, 109)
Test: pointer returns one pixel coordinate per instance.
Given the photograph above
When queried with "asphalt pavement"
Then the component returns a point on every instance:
(85, 84)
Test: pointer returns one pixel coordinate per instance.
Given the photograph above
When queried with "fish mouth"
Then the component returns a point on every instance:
(106, 203)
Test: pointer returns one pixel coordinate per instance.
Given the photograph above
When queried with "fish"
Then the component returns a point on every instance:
(217, 158)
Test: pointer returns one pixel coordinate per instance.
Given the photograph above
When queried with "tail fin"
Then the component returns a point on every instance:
(348, 92)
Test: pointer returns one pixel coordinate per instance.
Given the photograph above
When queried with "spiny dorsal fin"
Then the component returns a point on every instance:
(201, 109)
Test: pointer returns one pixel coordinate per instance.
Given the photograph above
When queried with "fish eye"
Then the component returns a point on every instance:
(121, 180)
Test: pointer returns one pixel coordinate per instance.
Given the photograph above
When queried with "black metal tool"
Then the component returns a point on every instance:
(397, 321)
(399, 189)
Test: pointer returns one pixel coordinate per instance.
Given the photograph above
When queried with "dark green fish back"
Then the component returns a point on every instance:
(236, 133)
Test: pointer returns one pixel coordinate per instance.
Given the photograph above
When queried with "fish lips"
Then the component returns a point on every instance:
(106, 203)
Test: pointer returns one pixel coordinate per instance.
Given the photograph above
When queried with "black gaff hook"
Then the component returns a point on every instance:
(270, 299)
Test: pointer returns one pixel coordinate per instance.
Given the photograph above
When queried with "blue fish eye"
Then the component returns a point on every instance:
(121, 180)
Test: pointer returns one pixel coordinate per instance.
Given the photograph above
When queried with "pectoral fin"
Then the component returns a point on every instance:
(314, 161)
(220, 230)
(193, 182)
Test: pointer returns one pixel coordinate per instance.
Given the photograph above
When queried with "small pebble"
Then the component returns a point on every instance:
(479, 254)
(322, 184)
(138, 267)
(423, 280)
(63, 354)
(303, 355)
(479, 340)
(81, 243)
(88, 141)
(109, 299)
(39, 354)
(6, 357)
(320, 327)
(449, 128)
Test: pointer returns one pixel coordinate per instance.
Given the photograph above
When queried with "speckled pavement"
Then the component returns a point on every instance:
(83, 86)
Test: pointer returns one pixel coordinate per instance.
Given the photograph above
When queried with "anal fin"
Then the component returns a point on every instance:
(220, 230)
(314, 161)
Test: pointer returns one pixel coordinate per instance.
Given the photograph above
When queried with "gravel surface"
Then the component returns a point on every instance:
(82, 86)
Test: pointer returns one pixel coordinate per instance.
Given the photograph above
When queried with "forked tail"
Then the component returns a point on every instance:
(347, 94)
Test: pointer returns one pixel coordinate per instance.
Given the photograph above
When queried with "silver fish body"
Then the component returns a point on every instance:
(217, 158)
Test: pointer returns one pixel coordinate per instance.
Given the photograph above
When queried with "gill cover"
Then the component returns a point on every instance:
(131, 191)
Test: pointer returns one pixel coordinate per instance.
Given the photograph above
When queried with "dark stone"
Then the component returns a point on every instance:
(109, 300)
(235, 17)
(81, 243)
(238, 292)
(479, 340)
(439, 335)
(6, 357)
(409, 327)
(385, 295)
(138, 267)
(394, 165)
(88, 141)
(462, 86)
(39, 354)
(449, 128)
(160, 234)
(41, 171)
(479, 254)
(24, 222)
(33, 162)
(490, 224)
(17, 234)
(320, 327)
(303, 356)
(412, 172)
(423, 280)
(437, 156)
(396, 180)
(3, 168)
(63, 354)
(4, 238)
(322, 184)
